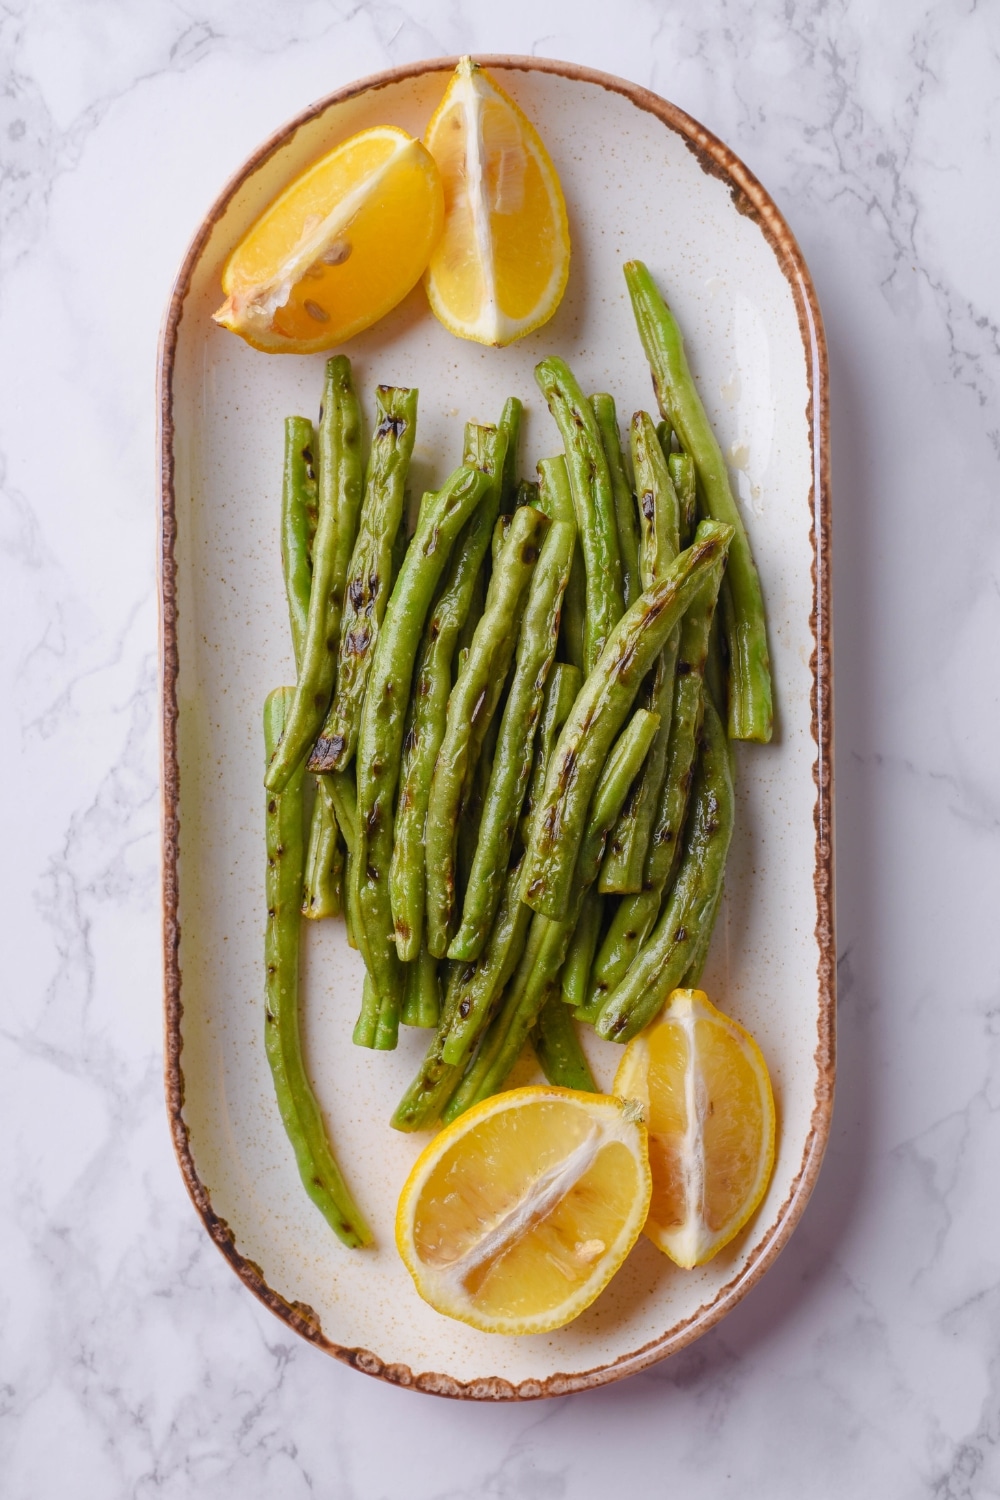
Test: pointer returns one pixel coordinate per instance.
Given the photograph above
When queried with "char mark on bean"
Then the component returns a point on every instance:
(647, 504)
(395, 425)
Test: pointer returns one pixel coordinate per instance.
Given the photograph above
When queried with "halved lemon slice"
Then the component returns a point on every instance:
(518, 1214)
(500, 267)
(704, 1087)
(339, 248)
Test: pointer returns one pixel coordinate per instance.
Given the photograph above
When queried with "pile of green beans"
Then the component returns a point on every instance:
(516, 719)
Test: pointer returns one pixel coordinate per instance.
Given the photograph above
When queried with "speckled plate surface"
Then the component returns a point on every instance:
(641, 180)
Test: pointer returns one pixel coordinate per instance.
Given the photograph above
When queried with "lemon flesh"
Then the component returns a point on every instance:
(340, 247)
(517, 1215)
(704, 1088)
(501, 265)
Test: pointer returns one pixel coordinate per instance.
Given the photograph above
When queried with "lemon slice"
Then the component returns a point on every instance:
(500, 267)
(518, 1214)
(704, 1087)
(339, 248)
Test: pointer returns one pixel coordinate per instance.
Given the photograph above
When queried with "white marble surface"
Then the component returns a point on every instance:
(131, 1361)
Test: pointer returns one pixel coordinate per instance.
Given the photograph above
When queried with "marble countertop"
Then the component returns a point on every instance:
(132, 1363)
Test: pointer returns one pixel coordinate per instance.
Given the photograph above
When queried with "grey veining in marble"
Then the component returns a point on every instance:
(868, 1362)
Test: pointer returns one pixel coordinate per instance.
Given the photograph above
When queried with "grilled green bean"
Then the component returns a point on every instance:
(560, 695)
(469, 708)
(527, 494)
(369, 574)
(598, 714)
(300, 1113)
(341, 789)
(750, 706)
(473, 990)
(339, 479)
(298, 521)
(634, 919)
(593, 502)
(428, 709)
(658, 507)
(509, 426)
(582, 947)
(442, 517)
(422, 1000)
(625, 510)
(682, 472)
(366, 1026)
(558, 1049)
(480, 984)
(323, 887)
(556, 500)
(536, 650)
(676, 940)
(537, 974)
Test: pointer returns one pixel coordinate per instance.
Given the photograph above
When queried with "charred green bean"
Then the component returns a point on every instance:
(300, 1113)
(598, 714)
(750, 705)
(369, 574)
(339, 481)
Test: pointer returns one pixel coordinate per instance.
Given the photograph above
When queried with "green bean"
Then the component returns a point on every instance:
(527, 494)
(323, 887)
(658, 507)
(625, 512)
(342, 793)
(750, 706)
(300, 1113)
(480, 984)
(366, 1026)
(556, 500)
(298, 511)
(558, 1049)
(699, 952)
(442, 517)
(560, 695)
(634, 919)
(427, 714)
(593, 502)
(537, 974)
(508, 782)
(369, 574)
(509, 426)
(422, 1001)
(665, 434)
(473, 990)
(473, 801)
(339, 477)
(598, 714)
(474, 613)
(469, 708)
(582, 947)
(662, 962)
(324, 869)
(716, 670)
(682, 472)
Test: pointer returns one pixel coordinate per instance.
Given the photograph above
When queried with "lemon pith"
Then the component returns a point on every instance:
(338, 248)
(516, 1216)
(500, 268)
(704, 1085)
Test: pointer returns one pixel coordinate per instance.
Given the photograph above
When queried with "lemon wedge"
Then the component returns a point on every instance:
(705, 1091)
(339, 248)
(500, 267)
(518, 1214)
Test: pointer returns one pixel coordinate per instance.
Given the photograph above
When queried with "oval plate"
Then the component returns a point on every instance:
(641, 180)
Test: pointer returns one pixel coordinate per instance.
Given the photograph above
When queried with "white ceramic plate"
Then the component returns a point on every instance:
(641, 180)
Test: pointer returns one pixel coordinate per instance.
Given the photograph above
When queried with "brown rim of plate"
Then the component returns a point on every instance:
(750, 198)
